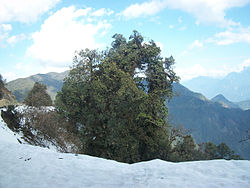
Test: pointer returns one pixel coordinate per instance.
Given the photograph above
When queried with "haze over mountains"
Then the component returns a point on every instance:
(235, 86)
(217, 120)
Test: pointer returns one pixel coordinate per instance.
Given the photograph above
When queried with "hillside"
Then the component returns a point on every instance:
(235, 86)
(7, 97)
(245, 105)
(224, 102)
(207, 120)
(210, 121)
(32, 166)
(20, 87)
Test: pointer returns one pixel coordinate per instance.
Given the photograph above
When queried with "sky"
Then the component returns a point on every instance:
(205, 37)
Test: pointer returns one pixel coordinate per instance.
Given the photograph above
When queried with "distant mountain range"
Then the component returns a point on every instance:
(235, 86)
(20, 87)
(217, 120)
(210, 121)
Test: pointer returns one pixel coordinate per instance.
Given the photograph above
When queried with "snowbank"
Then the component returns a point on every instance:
(27, 166)
(8, 135)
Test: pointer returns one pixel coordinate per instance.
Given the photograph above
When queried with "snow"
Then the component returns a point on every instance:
(26, 166)
(8, 135)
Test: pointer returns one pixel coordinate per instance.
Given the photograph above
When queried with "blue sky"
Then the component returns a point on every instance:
(206, 37)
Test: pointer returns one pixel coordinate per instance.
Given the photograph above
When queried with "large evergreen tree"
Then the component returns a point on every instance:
(38, 96)
(117, 100)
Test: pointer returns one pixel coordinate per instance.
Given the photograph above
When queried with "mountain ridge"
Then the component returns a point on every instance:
(235, 86)
(224, 101)
(20, 87)
(207, 120)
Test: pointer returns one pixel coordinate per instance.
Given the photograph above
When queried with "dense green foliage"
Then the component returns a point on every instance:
(117, 100)
(210, 151)
(38, 96)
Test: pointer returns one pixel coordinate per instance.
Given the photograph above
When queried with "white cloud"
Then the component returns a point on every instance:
(24, 10)
(243, 65)
(4, 33)
(198, 70)
(206, 11)
(231, 36)
(171, 26)
(63, 33)
(196, 44)
(5, 37)
(144, 9)
(6, 27)
(102, 12)
(15, 38)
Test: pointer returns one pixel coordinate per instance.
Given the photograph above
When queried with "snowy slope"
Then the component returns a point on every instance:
(26, 166)
(8, 135)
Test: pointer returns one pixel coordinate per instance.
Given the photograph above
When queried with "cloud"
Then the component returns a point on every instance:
(6, 27)
(4, 33)
(25, 11)
(144, 9)
(5, 37)
(16, 38)
(198, 70)
(102, 12)
(196, 44)
(231, 36)
(171, 26)
(205, 11)
(64, 32)
(243, 65)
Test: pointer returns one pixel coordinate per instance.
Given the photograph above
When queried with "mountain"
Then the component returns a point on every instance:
(225, 103)
(235, 86)
(20, 87)
(209, 121)
(245, 105)
(7, 98)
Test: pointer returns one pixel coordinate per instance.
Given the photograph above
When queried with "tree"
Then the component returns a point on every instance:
(185, 149)
(1, 86)
(210, 151)
(119, 113)
(224, 151)
(38, 96)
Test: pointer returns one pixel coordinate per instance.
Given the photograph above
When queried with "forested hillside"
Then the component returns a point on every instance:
(20, 87)
(210, 121)
(207, 120)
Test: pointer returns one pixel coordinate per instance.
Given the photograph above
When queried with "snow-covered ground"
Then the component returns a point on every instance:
(26, 166)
